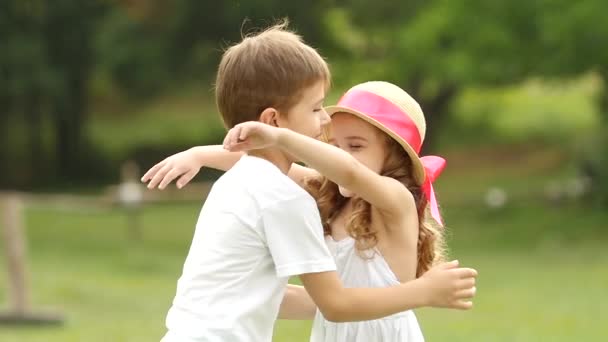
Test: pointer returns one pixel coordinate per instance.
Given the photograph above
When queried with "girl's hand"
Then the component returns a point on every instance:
(251, 136)
(449, 286)
(184, 164)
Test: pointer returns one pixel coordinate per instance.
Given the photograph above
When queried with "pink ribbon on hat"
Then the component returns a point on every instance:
(385, 112)
(395, 119)
(433, 166)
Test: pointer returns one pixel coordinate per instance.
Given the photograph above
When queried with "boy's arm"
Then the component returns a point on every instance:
(294, 236)
(297, 304)
(187, 164)
(445, 286)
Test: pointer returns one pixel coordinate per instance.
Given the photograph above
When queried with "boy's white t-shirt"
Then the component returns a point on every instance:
(256, 229)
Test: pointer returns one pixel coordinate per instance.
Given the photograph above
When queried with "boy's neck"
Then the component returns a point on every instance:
(275, 156)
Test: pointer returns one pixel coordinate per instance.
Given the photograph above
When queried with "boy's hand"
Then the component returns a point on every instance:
(449, 286)
(251, 136)
(182, 164)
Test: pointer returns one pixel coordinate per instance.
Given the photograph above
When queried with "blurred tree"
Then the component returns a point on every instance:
(24, 79)
(5, 80)
(147, 46)
(45, 66)
(68, 32)
(434, 49)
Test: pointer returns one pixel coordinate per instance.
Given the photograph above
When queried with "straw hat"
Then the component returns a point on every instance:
(393, 111)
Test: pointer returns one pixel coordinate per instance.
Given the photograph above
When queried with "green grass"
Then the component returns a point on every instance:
(543, 269)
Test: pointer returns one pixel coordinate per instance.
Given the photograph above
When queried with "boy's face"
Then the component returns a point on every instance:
(307, 116)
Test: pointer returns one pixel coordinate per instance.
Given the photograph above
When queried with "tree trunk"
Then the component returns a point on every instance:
(33, 117)
(5, 106)
(69, 49)
(5, 113)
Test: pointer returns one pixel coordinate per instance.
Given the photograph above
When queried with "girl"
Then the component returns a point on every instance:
(373, 198)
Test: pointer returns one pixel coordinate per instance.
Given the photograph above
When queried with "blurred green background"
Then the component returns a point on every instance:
(516, 98)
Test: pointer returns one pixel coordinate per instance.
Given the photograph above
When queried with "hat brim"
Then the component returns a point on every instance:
(418, 168)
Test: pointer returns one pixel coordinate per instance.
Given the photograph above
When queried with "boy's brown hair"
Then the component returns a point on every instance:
(268, 69)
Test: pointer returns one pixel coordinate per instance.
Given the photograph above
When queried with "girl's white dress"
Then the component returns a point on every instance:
(356, 271)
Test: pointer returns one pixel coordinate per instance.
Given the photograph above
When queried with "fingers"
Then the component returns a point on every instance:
(236, 139)
(244, 133)
(158, 177)
(448, 265)
(186, 178)
(153, 171)
(465, 283)
(462, 305)
(466, 293)
(226, 139)
(169, 177)
(466, 272)
(232, 137)
(237, 134)
(459, 285)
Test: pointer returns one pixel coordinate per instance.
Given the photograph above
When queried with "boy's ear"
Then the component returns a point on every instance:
(270, 116)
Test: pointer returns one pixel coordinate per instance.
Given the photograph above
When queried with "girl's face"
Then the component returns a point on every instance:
(359, 138)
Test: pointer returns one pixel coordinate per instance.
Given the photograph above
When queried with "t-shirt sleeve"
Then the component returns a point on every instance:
(294, 235)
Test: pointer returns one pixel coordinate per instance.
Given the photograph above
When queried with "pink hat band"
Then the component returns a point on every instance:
(385, 112)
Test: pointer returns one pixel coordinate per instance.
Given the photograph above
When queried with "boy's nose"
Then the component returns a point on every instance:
(325, 118)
